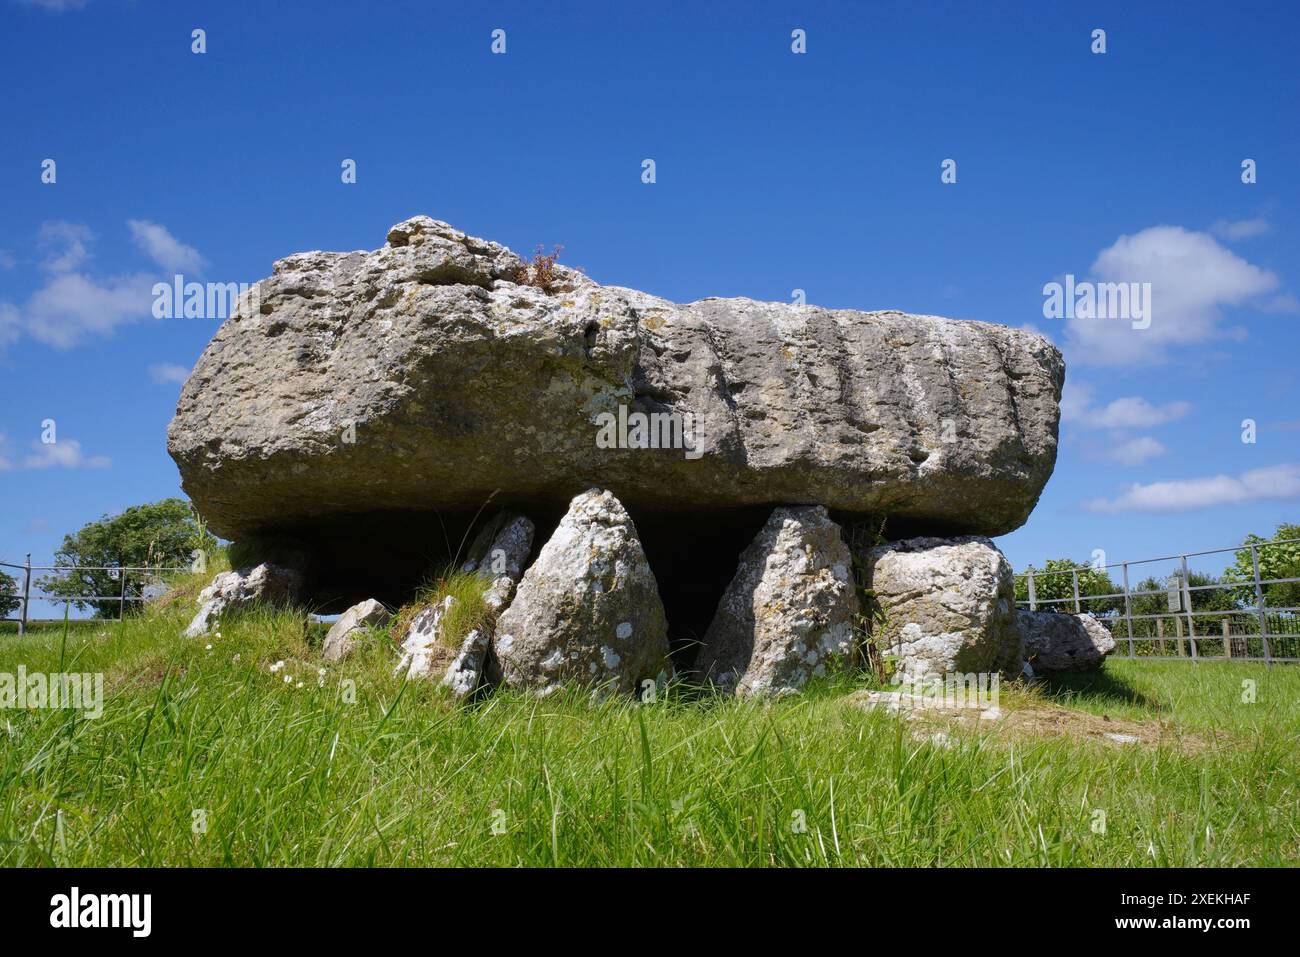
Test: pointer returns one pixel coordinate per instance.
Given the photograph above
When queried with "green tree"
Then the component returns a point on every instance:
(1053, 581)
(1275, 561)
(1204, 599)
(161, 534)
(9, 600)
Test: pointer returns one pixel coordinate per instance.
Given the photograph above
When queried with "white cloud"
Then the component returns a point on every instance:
(1233, 230)
(1192, 279)
(1257, 485)
(164, 372)
(57, 6)
(163, 248)
(67, 245)
(72, 307)
(1129, 412)
(1135, 451)
(1283, 303)
(11, 325)
(65, 454)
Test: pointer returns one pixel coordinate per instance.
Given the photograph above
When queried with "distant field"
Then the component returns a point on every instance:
(205, 757)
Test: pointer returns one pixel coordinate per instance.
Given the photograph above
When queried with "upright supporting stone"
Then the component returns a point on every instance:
(788, 613)
(948, 606)
(587, 612)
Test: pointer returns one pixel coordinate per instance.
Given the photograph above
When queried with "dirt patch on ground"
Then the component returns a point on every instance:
(1025, 718)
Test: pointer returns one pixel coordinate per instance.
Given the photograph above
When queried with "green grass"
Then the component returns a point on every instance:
(298, 776)
(468, 611)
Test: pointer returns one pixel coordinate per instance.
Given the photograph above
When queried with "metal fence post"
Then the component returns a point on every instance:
(27, 594)
(121, 605)
(1074, 578)
(1259, 602)
(1187, 602)
(1128, 611)
(1033, 595)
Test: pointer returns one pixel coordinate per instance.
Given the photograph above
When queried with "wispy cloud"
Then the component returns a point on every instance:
(66, 245)
(163, 248)
(11, 325)
(1233, 230)
(56, 6)
(1134, 451)
(164, 372)
(64, 454)
(1184, 495)
(1129, 412)
(74, 305)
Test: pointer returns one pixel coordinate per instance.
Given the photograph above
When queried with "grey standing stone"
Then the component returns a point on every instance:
(587, 612)
(342, 635)
(466, 670)
(949, 606)
(1055, 641)
(788, 612)
(424, 649)
(502, 547)
(265, 584)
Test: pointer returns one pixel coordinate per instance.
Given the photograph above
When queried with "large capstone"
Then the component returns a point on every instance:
(587, 612)
(788, 614)
(424, 376)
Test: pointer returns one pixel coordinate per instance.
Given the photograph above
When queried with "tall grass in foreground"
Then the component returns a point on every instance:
(206, 757)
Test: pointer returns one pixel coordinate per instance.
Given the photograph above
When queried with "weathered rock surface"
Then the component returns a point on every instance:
(341, 637)
(502, 547)
(421, 376)
(1054, 641)
(788, 611)
(949, 606)
(587, 611)
(234, 590)
(499, 553)
(425, 650)
(466, 669)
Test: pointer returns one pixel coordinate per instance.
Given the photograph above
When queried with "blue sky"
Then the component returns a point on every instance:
(775, 171)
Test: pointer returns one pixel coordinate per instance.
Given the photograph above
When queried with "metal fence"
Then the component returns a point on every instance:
(120, 575)
(1224, 619)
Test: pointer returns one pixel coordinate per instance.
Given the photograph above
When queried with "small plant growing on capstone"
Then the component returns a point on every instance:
(540, 273)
